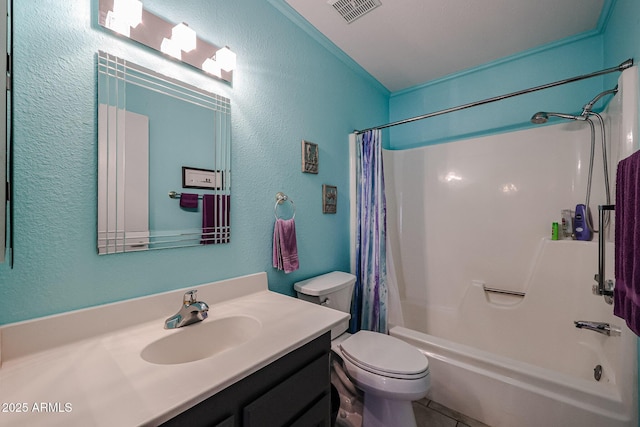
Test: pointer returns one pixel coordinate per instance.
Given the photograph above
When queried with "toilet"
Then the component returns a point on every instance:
(387, 372)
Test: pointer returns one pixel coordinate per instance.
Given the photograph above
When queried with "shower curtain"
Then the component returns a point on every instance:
(375, 278)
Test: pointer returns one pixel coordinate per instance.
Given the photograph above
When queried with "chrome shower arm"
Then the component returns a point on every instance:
(587, 108)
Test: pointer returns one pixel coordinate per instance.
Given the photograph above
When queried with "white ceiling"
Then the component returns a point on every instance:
(403, 43)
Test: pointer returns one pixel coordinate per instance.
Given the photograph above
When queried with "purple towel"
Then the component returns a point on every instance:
(215, 219)
(285, 247)
(626, 293)
(188, 200)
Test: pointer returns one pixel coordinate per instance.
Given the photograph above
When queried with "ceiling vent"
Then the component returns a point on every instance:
(351, 10)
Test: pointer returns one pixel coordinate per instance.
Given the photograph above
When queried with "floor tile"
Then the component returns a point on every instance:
(464, 420)
(427, 417)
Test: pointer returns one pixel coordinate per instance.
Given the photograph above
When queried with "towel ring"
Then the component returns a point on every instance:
(280, 199)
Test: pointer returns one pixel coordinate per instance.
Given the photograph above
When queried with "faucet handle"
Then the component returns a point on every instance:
(190, 297)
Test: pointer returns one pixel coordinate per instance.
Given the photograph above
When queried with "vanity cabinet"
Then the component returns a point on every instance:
(295, 390)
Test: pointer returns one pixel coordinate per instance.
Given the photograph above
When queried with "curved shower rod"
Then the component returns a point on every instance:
(623, 66)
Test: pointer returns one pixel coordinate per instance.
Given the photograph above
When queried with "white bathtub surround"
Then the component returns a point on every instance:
(480, 211)
(520, 361)
(504, 392)
(85, 366)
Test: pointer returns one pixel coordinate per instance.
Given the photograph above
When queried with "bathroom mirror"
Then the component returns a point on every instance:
(164, 154)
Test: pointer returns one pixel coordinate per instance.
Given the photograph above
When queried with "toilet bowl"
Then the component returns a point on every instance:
(387, 373)
(391, 374)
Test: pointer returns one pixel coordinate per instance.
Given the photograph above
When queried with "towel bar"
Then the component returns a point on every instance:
(174, 195)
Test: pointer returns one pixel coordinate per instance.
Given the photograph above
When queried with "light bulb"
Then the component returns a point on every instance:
(184, 36)
(211, 67)
(117, 24)
(128, 10)
(226, 59)
(171, 48)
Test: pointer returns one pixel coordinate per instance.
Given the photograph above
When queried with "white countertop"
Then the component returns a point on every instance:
(84, 367)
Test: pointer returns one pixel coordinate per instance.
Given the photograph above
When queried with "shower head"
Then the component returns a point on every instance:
(539, 118)
(543, 116)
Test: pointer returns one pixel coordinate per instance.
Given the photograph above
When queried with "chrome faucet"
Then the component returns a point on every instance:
(192, 311)
(600, 327)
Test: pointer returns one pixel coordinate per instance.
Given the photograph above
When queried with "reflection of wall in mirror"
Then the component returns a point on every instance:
(180, 133)
(123, 187)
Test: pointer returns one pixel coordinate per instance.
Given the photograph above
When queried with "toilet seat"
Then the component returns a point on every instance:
(384, 355)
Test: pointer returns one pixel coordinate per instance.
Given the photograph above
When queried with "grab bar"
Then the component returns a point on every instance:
(604, 287)
(502, 291)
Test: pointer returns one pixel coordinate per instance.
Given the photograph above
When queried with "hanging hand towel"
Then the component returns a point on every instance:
(285, 247)
(626, 293)
(188, 200)
(215, 219)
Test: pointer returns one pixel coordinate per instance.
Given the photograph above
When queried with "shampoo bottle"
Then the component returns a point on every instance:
(567, 224)
(582, 231)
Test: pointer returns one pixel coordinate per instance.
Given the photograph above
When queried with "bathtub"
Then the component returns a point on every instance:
(519, 361)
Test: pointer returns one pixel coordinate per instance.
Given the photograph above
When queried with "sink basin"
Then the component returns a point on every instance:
(201, 340)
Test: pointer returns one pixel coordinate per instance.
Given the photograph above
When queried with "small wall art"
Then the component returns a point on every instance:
(329, 199)
(309, 157)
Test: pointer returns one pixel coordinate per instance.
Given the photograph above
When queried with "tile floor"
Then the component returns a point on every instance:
(431, 414)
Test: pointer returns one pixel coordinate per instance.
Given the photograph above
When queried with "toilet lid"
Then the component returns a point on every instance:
(385, 354)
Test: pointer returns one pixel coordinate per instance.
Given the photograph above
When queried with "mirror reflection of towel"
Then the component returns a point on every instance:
(188, 200)
(626, 293)
(285, 247)
(215, 219)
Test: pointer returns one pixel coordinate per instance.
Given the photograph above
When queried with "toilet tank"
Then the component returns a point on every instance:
(333, 290)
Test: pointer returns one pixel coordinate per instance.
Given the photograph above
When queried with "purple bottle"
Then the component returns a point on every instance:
(581, 229)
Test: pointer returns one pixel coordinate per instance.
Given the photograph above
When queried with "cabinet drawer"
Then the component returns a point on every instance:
(291, 398)
(319, 415)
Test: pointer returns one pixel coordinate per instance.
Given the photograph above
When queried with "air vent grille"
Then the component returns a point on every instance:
(351, 10)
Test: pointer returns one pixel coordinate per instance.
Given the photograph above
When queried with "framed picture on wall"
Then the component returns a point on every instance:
(329, 199)
(309, 157)
(206, 179)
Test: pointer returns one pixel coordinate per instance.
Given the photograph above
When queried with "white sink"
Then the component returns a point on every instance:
(201, 340)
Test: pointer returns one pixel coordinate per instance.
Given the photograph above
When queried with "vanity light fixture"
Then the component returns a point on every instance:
(177, 41)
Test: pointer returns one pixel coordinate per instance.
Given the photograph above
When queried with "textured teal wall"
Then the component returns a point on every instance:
(529, 69)
(622, 36)
(287, 88)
